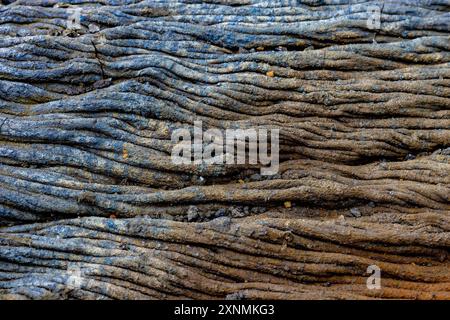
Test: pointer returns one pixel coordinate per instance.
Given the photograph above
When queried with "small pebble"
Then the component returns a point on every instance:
(237, 212)
(220, 213)
(355, 212)
(192, 213)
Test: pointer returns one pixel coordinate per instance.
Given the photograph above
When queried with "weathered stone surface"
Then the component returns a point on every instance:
(87, 182)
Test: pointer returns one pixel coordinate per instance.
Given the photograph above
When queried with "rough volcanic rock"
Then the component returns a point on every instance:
(89, 193)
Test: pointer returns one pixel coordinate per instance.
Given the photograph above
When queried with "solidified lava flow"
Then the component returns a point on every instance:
(93, 205)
